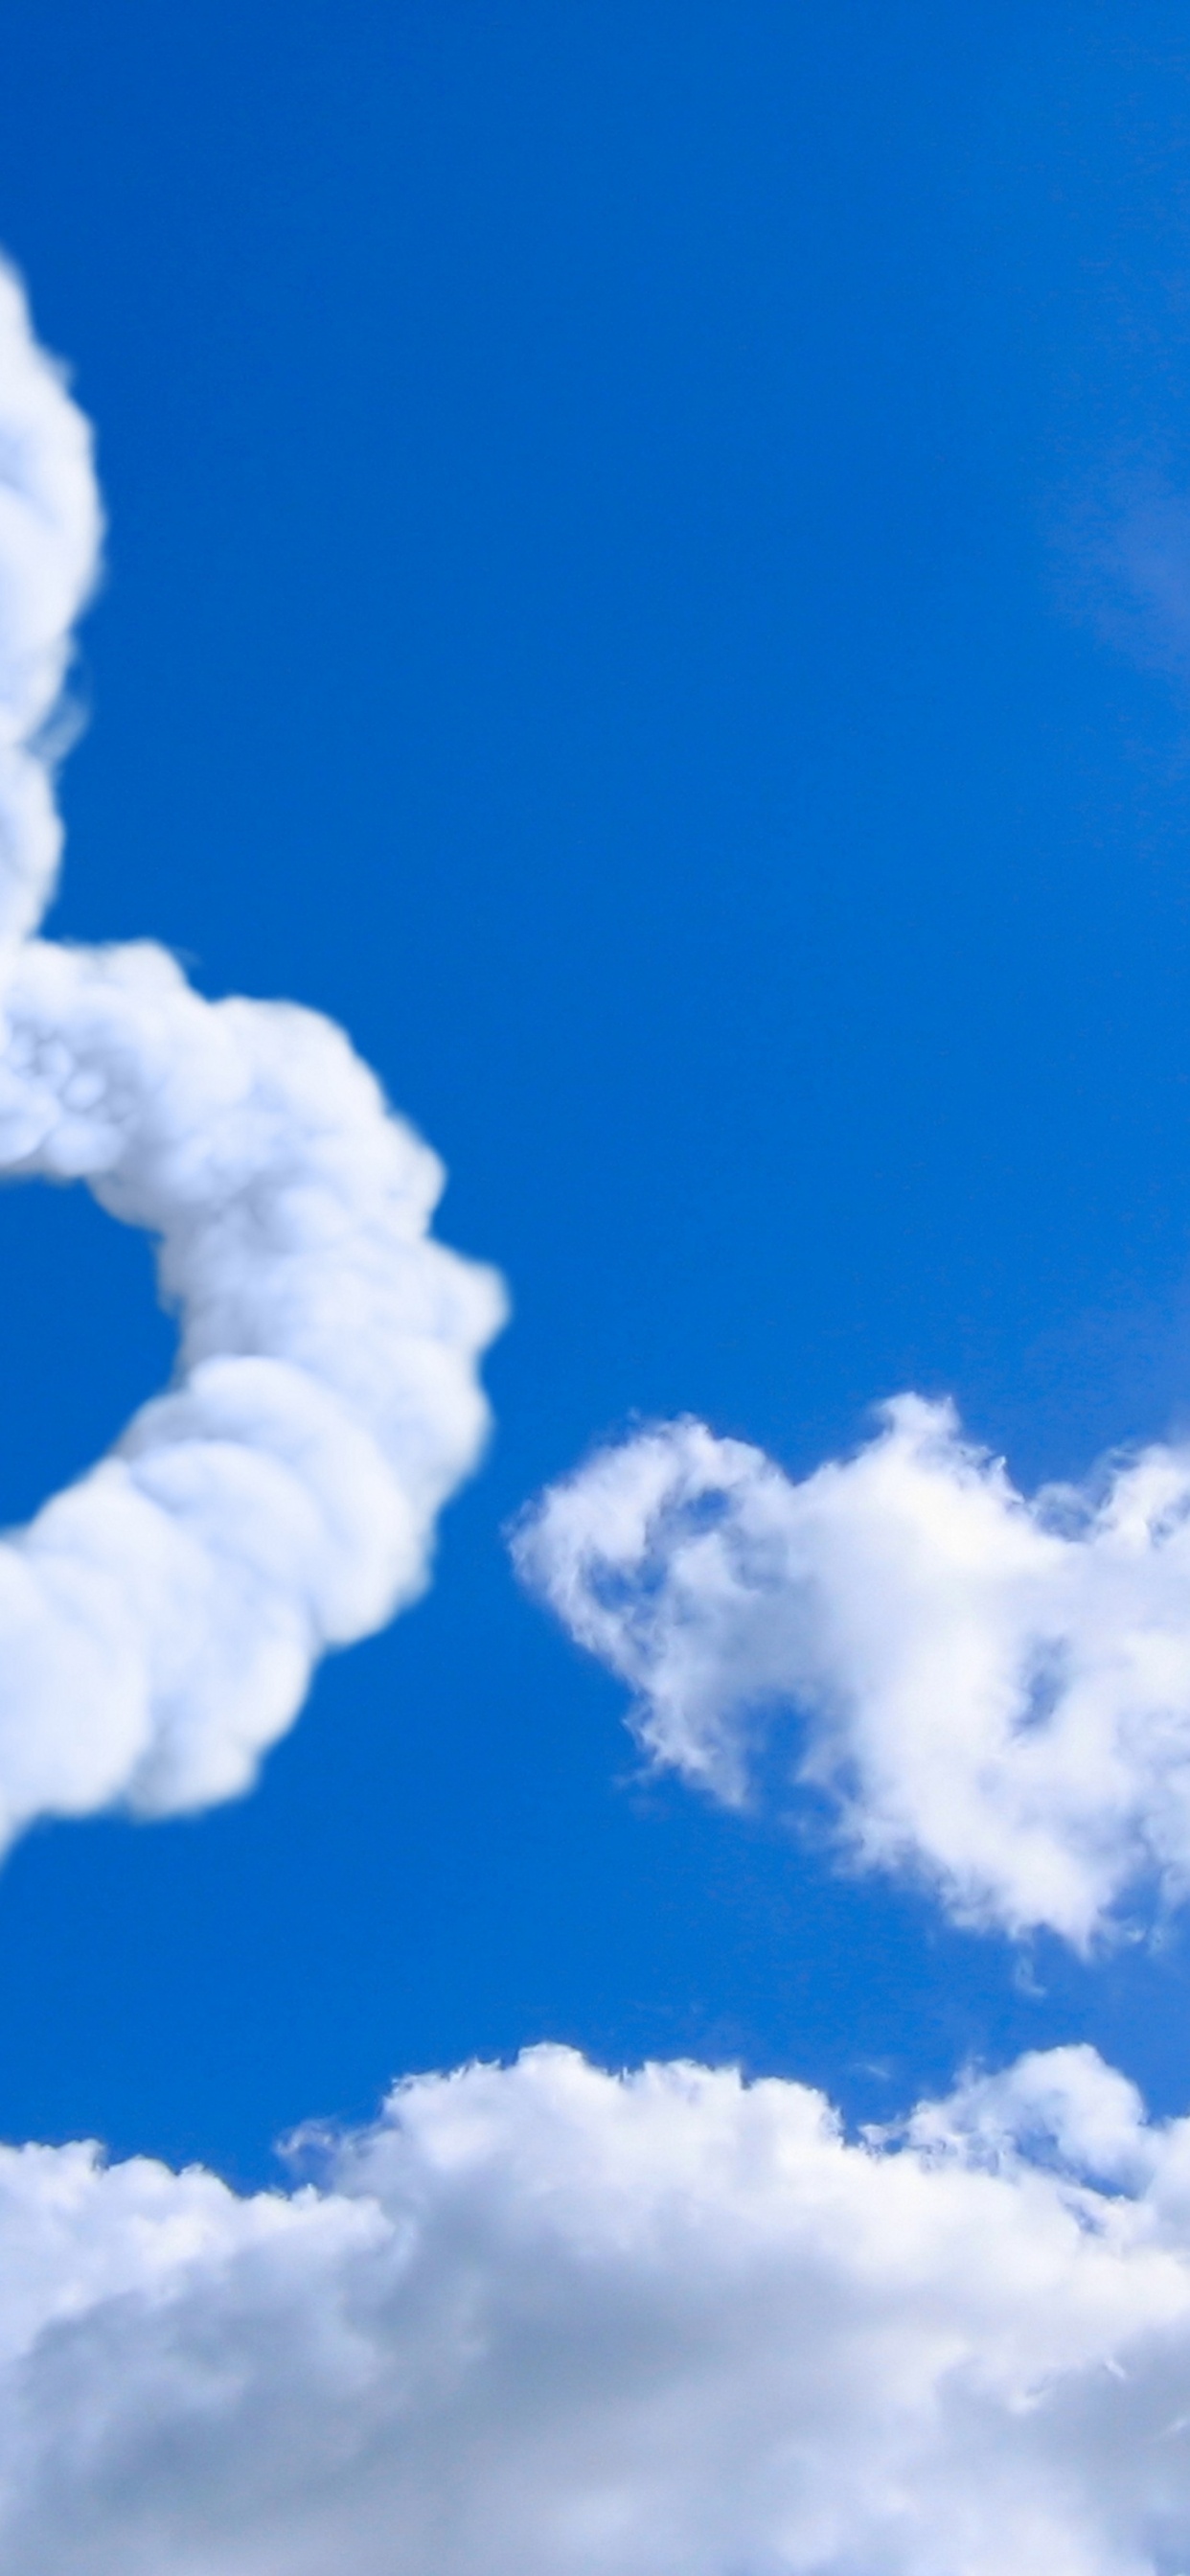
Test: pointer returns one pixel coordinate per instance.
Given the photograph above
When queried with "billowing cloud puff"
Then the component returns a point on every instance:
(542, 2321)
(159, 1620)
(996, 1692)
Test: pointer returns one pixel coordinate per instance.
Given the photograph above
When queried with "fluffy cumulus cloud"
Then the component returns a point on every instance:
(159, 1620)
(543, 2321)
(994, 1691)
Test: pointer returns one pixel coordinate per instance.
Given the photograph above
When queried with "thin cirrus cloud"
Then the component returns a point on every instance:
(994, 1692)
(545, 2321)
(160, 1619)
(1123, 562)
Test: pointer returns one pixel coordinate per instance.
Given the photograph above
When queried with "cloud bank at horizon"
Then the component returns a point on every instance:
(159, 1620)
(993, 1692)
(544, 2321)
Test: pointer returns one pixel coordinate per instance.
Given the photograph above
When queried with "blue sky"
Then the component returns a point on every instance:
(646, 579)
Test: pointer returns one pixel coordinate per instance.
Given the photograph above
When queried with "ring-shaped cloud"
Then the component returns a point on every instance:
(159, 1619)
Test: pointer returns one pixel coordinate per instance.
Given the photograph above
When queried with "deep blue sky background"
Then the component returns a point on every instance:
(618, 591)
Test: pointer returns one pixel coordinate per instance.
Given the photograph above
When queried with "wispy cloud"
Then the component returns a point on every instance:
(159, 1621)
(1125, 567)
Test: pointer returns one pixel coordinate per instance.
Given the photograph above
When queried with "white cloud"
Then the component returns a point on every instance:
(996, 1692)
(159, 1620)
(542, 2321)
(50, 526)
